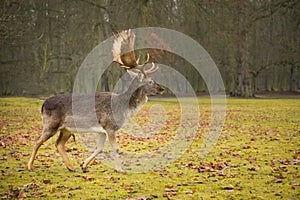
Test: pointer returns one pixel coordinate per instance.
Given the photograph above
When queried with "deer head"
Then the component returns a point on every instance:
(143, 79)
(123, 52)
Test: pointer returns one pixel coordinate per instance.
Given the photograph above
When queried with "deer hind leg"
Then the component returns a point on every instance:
(60, 145)
(47, 133)
(100, 145)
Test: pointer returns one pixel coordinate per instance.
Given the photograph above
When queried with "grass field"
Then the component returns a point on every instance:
(257, 156)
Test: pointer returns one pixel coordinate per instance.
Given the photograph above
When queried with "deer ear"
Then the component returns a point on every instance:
(140, 75)
(132, 74)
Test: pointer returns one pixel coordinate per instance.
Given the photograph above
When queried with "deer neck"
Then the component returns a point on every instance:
(135, 96)
(138, 98)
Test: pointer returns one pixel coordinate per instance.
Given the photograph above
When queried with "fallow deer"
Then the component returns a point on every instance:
(111, 109)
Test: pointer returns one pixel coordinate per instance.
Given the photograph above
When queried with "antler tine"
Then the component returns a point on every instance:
(138, 60)
(153, 69)
(132, 73)
(120, 34)
(147, 60)
(116, 34)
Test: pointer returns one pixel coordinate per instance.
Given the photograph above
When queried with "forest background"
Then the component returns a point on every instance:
(254, 43)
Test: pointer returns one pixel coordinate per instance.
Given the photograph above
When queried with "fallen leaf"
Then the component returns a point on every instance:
(278, 181)
(22, 195)
(228, 187)
(46, 181)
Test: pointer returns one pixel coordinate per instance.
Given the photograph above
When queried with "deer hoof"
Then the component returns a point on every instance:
(85, 169)
(30, 168)
(119, 152)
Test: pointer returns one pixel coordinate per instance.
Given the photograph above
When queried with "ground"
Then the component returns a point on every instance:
(257, 156)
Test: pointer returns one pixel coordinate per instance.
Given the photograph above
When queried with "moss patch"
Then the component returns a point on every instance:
(256, 157)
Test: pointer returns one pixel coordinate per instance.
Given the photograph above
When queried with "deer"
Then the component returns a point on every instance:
(111, 109)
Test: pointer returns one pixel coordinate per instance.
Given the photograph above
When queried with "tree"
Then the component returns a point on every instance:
(255, 44)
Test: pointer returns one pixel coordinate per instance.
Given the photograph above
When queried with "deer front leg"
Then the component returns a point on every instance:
(112, 140)
(100, 145)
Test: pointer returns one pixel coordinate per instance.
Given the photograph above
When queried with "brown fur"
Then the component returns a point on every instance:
(111, 111)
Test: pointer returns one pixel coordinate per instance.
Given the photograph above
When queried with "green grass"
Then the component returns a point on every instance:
(257, 156)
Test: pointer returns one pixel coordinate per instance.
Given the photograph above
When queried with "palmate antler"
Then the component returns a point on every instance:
(123, 52)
